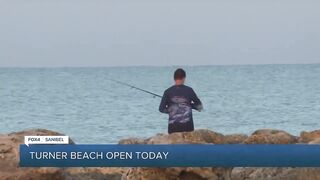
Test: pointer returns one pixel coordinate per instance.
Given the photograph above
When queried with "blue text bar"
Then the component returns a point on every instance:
(239, 155)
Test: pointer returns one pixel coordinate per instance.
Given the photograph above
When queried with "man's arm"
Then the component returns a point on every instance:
(163, 108)
(195, 102)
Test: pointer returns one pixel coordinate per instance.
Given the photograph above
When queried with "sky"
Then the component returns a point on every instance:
(67, 33)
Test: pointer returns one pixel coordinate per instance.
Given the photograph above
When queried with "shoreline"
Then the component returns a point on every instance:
(9, 155)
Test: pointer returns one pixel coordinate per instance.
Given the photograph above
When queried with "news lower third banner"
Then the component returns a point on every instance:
(239, 155)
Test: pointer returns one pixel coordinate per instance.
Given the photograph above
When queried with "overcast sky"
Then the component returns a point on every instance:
(55, 33)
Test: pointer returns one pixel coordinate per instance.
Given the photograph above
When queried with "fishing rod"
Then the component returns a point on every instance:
(134, 87)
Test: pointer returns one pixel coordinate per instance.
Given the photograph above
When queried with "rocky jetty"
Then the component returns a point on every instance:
(9, 154)
(9, 158)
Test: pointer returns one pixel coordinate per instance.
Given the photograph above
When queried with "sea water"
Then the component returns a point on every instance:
(84, 104)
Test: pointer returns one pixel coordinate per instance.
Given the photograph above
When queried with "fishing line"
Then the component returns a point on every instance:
(137, 88)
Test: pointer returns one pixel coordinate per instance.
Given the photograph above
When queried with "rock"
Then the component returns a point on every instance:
(257, 173)
(196, 137)
(269, 136)
(94, 173)
(299, 174)
(306, 137)
(235, 138)
(315, 141)
(132, 141)
(9, 170)
(178, 173)
(275, 174)
(265, 136)
(200, 136)
(9, 155)
(146, 174)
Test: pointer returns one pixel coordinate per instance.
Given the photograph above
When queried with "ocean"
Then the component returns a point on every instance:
(84, 104)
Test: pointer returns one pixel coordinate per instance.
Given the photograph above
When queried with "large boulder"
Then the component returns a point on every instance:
(275, 174)
(132, 141)
(9, 158)
(178, 173)
(9, 161)
(235, 138)
(200, 136)
(270, 136)
(306, 137)
(257, 173)
(93, 173)
(9, 154)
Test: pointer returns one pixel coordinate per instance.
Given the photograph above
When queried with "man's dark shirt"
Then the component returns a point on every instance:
(178, 101)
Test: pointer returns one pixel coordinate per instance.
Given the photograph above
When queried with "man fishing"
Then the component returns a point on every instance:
(178, 101)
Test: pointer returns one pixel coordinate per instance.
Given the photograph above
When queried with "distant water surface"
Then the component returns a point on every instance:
(84, 104)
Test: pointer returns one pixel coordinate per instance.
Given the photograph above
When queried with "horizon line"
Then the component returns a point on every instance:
(154, 66)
